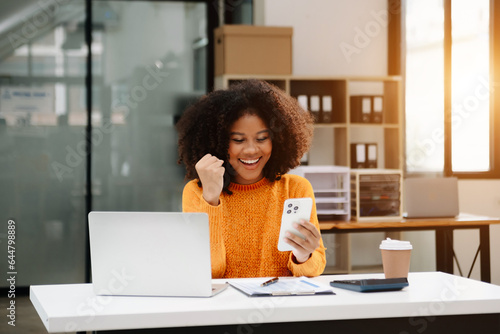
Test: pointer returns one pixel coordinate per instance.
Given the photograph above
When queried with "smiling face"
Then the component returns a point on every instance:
(250, 148)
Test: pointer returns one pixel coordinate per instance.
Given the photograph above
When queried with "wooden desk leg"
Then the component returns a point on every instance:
(444, 250)
(484, 242)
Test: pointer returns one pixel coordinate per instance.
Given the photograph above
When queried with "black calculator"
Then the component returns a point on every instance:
(372, 284)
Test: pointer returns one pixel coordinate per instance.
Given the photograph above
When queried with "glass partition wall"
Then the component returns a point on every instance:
(42, 141)
(146, 75)
(149, 60)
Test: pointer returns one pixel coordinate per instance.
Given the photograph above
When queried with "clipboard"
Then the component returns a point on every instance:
(285, 286)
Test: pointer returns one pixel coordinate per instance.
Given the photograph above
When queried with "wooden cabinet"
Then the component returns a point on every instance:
(376, 195)
(329, 99)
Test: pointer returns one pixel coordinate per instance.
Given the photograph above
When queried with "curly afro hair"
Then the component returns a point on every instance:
(204, 126)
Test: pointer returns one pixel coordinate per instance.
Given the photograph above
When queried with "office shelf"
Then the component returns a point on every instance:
(331, 190)
(329, 100)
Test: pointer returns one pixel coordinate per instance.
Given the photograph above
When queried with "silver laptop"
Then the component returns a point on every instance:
(426, 197)
(151, 254)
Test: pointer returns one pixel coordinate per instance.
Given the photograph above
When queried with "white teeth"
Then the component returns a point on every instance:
(249, 161)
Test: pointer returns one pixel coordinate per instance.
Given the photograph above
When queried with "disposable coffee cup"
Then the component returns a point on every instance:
(395, 257)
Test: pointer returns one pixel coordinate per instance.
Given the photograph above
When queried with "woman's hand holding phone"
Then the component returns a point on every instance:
(210, 170)
(303, 248)
(297, 234)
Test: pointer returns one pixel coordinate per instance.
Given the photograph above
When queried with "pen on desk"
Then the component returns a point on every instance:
(271, 281)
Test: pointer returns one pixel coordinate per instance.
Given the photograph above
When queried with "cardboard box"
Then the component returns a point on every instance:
(246, 49)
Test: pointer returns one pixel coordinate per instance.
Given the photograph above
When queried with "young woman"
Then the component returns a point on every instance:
(237, 146)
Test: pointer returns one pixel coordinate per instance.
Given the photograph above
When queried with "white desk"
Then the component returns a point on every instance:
(431, 302)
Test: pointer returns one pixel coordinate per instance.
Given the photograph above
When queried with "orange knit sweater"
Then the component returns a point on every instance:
(244, 228)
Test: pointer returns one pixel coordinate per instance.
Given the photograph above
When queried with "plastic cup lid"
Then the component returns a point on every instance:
(395, 244)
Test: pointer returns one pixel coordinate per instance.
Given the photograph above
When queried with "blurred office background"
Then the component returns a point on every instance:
(143, 76)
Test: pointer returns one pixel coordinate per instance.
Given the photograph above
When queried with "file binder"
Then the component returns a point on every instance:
(315, 108)
(371, 155)
(377, 109)
(358, 155)
(361, 109)
(326, 107)
(302, 99)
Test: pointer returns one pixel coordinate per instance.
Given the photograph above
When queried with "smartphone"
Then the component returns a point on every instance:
(294, 210)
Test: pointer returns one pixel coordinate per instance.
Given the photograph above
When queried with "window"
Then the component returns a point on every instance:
(449, 70)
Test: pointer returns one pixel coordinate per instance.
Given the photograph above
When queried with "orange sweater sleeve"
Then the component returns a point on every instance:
(244, 228)
(193, 201)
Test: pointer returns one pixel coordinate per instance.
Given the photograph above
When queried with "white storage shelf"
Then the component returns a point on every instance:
(331, 185)
(331, 190)
(331, 199)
